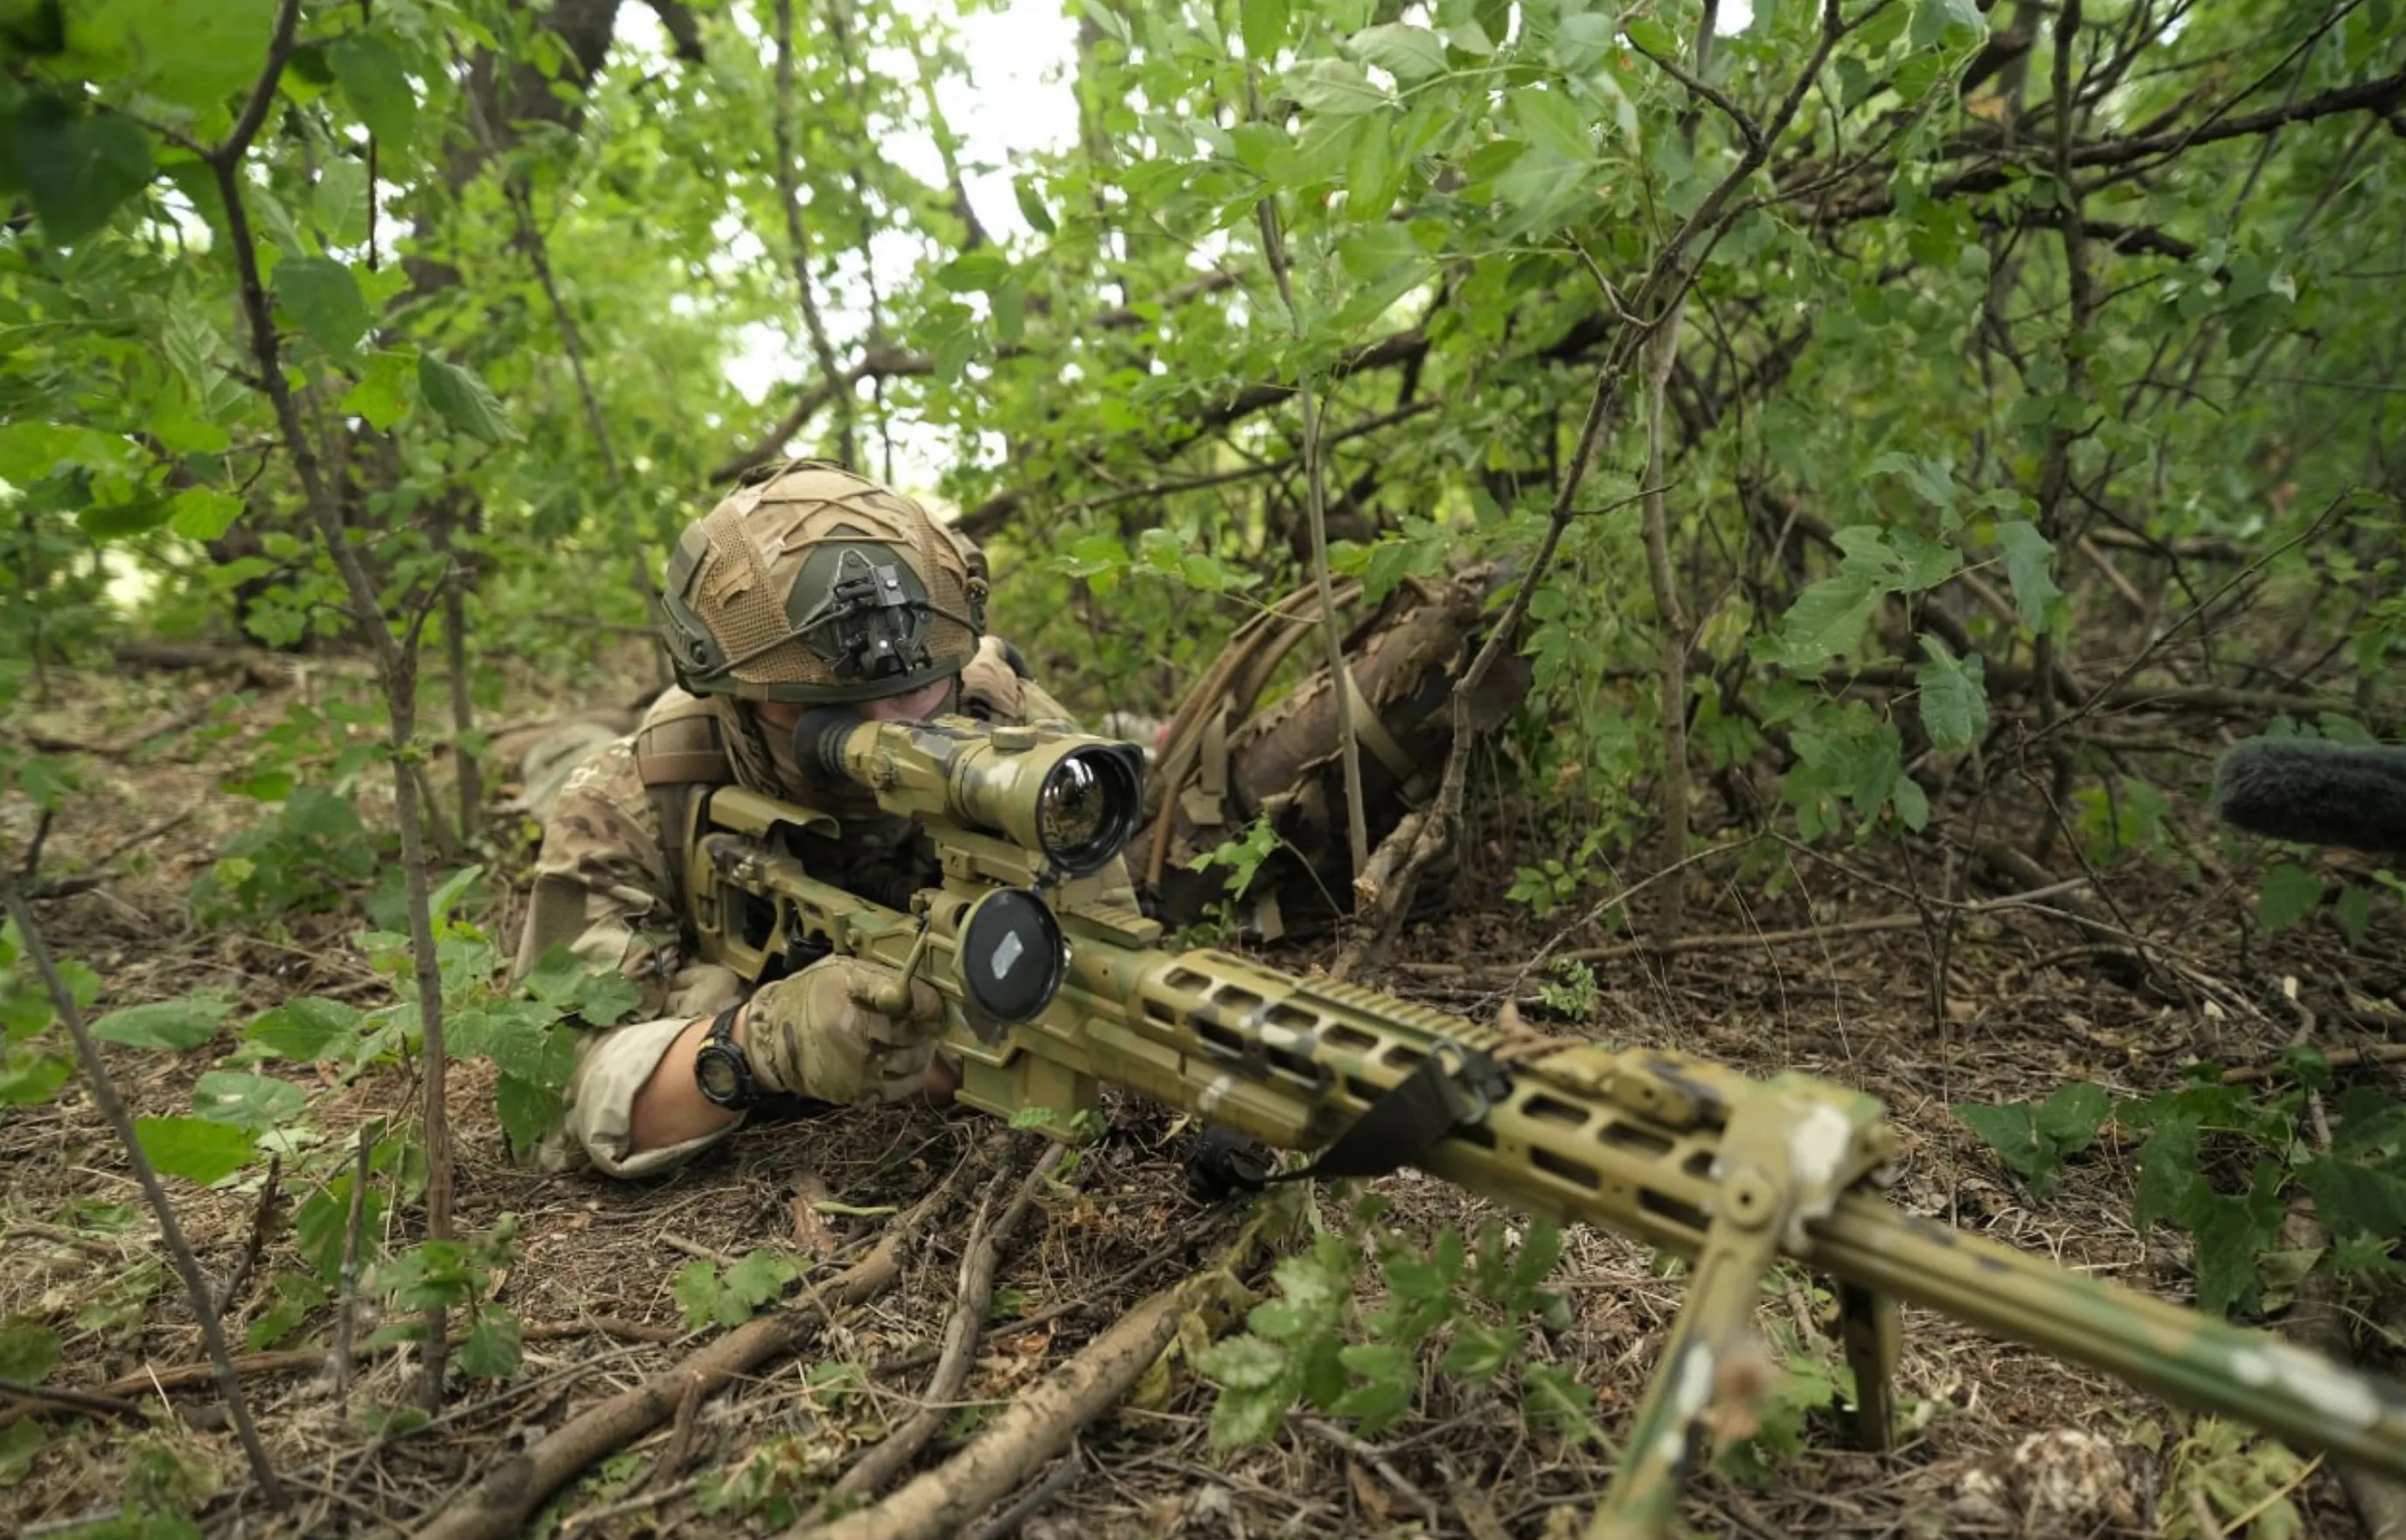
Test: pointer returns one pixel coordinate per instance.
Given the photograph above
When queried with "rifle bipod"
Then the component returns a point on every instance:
(1783, 1162)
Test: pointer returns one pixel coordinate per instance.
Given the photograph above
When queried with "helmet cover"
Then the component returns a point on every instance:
(811, 584)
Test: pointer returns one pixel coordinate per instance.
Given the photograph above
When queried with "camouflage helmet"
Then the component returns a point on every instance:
(811, 583)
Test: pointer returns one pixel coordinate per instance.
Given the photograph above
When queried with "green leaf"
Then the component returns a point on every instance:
(491, 1349)
(1954, 696)
(1333, 88)
(1244, 1363)
(203, 513)
(28, 1350)
(1542, 186)
(2028, 560)
(173, 1025)
(377, 87)
(761, 1276)
(1933, 20)
(1480, 1352)
(1581, 41)
(1031, 205)
(324, 297)
(2072, 1116)
(1264, 23)
(1280, 1320)
(1931, 481)
(252, 1102)
(338, 206)
(27, 1079)
(1828, 620)
(195, 1149)
(1652, 35)
(2011, 1130)
(1409, 53)
(1307, 1283)
(2168, 1172)
(79, 169)
(979, 272)
(527, 1109)
(18, 1443)
(321, 1228)
(382, 395)
(2228, 1242)
(2290, 893)
(2354, 1198)
(307, 1030)
(463, 401)
(1241, 1418)
(1551, 121)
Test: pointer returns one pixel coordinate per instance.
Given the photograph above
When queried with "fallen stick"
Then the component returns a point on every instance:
(68, 1400)
(2337, 1059)
(1027, 1504)
(500, 1505)
(142, 1382)
(897, 1449)
(1031, 1430)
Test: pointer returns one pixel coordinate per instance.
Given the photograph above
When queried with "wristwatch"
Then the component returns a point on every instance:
(720, 1069)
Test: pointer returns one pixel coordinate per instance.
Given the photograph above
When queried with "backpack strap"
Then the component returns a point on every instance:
(680, 751)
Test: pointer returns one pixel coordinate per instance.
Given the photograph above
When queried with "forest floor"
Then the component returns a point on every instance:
(2028, 1006)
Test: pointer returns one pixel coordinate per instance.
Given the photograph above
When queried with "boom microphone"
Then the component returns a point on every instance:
(2314, 791)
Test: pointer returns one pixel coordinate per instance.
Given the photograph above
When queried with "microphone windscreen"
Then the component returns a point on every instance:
(2314, 791)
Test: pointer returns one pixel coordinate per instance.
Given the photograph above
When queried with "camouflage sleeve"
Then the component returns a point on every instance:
(601, 889)
(601, 881)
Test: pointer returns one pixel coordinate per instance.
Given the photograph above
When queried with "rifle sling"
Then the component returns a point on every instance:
(1403, 1125)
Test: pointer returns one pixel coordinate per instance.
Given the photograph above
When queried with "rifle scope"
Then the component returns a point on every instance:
(1075, 798)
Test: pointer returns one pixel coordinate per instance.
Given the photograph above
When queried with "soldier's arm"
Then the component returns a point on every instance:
(599, 889)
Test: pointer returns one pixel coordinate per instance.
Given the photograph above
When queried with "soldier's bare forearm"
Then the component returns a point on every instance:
(671, 1107)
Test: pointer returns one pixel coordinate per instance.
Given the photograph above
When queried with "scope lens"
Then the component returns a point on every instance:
(1087, 809)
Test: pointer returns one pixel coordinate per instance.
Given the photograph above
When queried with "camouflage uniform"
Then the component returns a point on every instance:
(605, 887)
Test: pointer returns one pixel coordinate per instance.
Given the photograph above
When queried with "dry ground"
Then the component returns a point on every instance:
(2027, 1006)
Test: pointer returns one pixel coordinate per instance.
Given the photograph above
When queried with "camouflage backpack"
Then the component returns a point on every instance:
(1221, 763)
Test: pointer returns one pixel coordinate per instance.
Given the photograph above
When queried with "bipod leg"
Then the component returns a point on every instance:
(1715, 1327)
(1867, 1325)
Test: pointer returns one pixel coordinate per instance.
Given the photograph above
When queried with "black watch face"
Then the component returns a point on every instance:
(716, 1072)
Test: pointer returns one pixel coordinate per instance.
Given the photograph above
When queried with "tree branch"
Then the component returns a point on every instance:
(789, 196)
(682, 29)
(396, 664)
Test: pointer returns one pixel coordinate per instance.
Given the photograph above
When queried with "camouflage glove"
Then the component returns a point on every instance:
(821, 1034)
(990, 686)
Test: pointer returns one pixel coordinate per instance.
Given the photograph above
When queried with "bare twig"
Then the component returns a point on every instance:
(263, 1217)
(1341, 680)
(72, 1401)
(1370, 1456)
(975, 1297)
(789, 195)
(500, 1503)
(1032, 1429)
(112, 1107)
(354, 1244)
(1063, 1474)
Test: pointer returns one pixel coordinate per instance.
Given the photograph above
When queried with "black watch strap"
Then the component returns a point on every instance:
(720, 1069)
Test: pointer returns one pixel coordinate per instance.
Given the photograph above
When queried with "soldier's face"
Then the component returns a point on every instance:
(918, 706)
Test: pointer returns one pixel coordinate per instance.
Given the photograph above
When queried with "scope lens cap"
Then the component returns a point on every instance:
(1010, 956)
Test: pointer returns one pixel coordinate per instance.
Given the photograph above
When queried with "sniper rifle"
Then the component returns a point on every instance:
(1054, 985)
